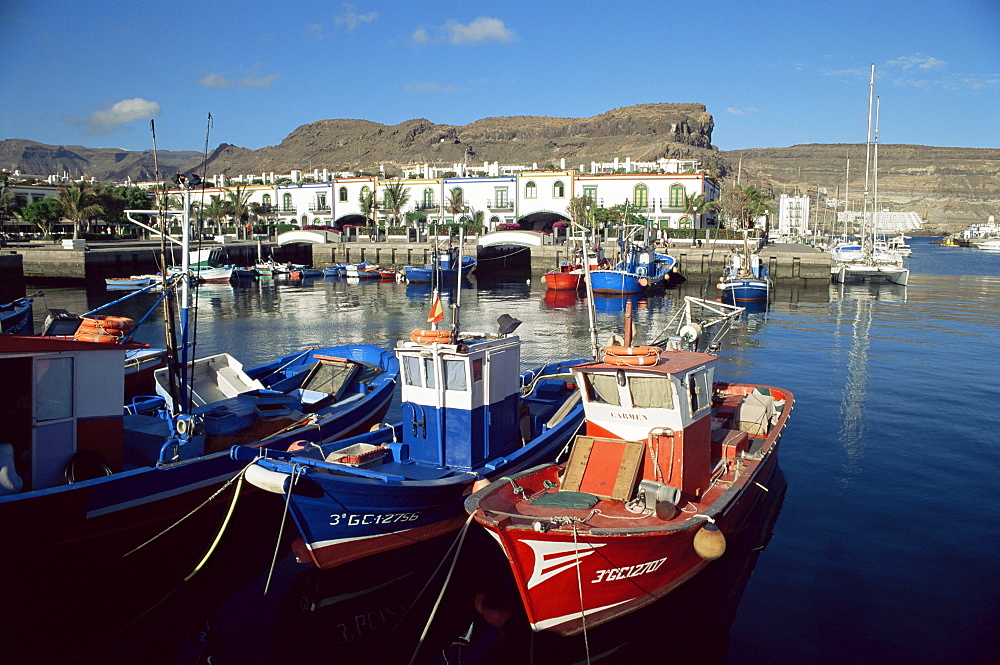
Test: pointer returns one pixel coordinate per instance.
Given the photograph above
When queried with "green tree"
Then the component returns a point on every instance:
(116, 200)
(366, 204)
(695, 206)
(395, 196)
(744, 204)
(44, 214)
(216, 210)
(579, 210)
(80, 204)
(454, 203)
(237, 202)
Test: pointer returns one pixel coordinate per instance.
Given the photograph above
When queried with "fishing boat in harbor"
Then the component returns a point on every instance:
(672, 462)
(16, 317)
(639, 269)
(445, 266)
(746, 278)
(86, 473)
(133, 282)
(469, 415)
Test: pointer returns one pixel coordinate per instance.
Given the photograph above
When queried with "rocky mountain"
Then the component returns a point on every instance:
(106, 164)
(644, 132)
(949, 187)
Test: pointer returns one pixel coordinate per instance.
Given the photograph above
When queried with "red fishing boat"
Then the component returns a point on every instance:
(670, 463)
(570, 275)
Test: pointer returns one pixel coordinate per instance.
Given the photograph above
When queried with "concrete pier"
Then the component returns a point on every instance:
(121, 259)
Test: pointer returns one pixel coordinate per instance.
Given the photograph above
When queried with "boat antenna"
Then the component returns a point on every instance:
(591, 312)
(168, 306)
(194, 182)
(458, 285)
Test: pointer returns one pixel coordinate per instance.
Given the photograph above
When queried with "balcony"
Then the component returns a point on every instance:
(319, 207)
(426, 205)
(500, 206)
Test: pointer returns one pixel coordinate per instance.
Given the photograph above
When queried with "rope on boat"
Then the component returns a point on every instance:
(222, 529)
(237, 477)
(579, 586)
(444, 587)
(187, 578)
(296, 472)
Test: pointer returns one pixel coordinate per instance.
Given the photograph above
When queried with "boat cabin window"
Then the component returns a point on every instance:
(602, 388)
(54, 388)
(454, 375)
(477, 369)
(411, 371)
(651, 392)
(699, 390)
(429, 372)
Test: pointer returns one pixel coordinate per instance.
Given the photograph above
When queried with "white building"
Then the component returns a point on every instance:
(793, 216)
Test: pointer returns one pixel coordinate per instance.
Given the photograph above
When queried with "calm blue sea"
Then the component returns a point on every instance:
(881, 544)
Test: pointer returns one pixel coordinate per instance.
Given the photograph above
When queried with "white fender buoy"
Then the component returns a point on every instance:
(267, 480)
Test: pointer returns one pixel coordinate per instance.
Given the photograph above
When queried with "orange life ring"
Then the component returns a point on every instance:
(431, 336)
(110, 325)
(632, 355)
(102, 339)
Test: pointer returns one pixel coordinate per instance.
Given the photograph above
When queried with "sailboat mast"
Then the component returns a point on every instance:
(875, 213)
(868, 150)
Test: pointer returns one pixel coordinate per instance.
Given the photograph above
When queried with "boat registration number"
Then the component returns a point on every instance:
(343, 519)
(612, 574)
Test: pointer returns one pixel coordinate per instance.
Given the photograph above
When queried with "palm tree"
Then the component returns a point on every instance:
(79, 202)
(366, 204)
(395, 196)
(216, 210)
(454, 202)
(237, 201)
(695, 206)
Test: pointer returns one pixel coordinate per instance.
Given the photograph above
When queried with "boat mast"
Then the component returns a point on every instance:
(875, 214)
(458, 286)
(868, 150)
(591, 312)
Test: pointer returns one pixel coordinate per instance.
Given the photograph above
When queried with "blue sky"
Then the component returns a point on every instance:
(771, 73)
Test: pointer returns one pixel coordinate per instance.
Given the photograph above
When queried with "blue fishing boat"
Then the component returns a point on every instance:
(16, 318)
(84, 474)
(745, 279)
(446, 266)
(639, 269)
(469, 415)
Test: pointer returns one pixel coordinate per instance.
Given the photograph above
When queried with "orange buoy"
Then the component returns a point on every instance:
(101, 339)
(709, 543)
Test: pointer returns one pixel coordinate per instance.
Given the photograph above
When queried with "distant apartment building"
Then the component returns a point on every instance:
(793, 216)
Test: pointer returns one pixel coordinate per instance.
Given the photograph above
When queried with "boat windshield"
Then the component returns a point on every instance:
(651, 392)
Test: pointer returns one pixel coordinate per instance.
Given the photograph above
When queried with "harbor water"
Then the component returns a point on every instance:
(881, 542)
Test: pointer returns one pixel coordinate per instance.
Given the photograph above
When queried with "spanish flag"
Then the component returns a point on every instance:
(437, 312)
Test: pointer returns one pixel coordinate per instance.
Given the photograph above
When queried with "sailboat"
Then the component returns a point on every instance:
(871, 260)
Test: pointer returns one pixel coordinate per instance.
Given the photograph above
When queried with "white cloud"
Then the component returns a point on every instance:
(429, 87)
(351, 18)
(482, 29)
(316, 29)
(249, 81)
(917, 61)
(115, 116)
(742, 110)
(420, 36)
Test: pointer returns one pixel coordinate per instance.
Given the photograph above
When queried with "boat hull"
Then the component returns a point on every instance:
(746, 290)
(563, 281)
(16, 318)
(101, 519)
(343, 517)
(607, 572)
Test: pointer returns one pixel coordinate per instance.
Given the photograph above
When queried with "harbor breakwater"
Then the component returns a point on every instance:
(792, 262)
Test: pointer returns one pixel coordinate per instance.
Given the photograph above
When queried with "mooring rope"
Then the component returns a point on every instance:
(444, 587)
(579, 586)
(237, 477)
(296, 472)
